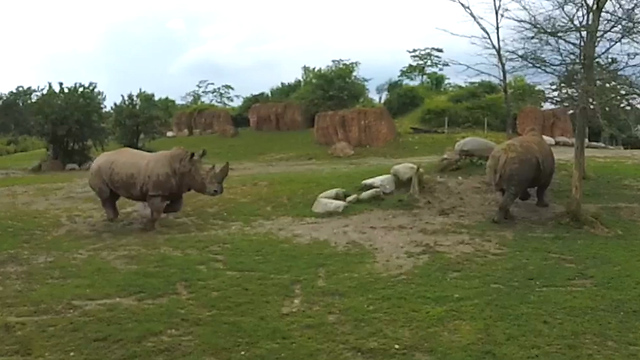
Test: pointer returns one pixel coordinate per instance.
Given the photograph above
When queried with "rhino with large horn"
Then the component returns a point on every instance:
(160, 179)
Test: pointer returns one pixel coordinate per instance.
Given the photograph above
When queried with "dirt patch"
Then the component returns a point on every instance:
(402, 239)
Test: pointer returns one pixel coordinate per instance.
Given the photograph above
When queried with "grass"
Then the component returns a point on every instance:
(251, 146)
(203, 288)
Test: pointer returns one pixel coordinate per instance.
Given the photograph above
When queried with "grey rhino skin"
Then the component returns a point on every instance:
(160, 179)
(517, 165)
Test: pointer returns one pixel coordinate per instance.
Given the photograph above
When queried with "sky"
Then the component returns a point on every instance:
(166, 47)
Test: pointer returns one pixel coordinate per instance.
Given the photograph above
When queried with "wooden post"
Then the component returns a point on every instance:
(485, 124)
(446, 124)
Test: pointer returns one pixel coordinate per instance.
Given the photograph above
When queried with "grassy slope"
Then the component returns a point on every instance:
(253, 146)
(557, 293)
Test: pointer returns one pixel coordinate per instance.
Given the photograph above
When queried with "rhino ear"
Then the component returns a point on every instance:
(223, 172)
(212, 169)
(192, 155)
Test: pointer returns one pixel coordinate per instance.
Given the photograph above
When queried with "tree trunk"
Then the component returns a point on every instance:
(585, 96)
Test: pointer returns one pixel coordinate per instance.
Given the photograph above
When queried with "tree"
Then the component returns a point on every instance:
(490, 41)
(424, 67)
(138, 118)
(555, 36)
(71, 121)
(16, 111)
(334, 87)
(284, 91)
(207, 93)
(404, 100)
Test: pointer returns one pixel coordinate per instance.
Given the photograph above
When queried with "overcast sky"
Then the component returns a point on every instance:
(167, 46)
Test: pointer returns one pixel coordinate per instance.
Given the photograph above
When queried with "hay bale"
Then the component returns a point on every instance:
(357, 127)
(550, 122)
(284, 116)
(210, 121)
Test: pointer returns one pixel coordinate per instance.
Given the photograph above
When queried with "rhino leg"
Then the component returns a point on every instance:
(156, 205)
(173, 206)
(540, 193)
(503, 212)
(525, 195)
(110, 207)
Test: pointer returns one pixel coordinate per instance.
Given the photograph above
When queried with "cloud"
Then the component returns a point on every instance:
(167, 46)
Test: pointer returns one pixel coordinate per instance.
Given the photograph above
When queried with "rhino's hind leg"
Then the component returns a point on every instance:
(540, 193)
(504, 212)
(173, 206)
(110, 206)
(525, 195)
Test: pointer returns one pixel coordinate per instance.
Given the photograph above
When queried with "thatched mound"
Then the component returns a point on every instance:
(277, 117)
(550, 122)
(211, 121)
(358, 127)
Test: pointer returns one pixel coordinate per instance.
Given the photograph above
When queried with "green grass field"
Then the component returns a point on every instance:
(239, 276)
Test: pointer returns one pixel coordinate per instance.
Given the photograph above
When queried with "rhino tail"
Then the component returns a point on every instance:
(499, 170)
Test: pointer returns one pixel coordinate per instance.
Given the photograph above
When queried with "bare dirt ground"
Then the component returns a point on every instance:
(399, 239)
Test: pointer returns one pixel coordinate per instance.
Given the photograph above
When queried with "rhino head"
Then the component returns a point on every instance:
(211, 181)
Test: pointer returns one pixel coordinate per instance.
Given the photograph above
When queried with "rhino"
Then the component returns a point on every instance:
(160, 179)
(517, 165)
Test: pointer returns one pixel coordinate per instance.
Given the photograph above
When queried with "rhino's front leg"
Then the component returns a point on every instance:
(156, 205)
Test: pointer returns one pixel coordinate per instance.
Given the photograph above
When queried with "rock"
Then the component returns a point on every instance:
(72, 167)
(322, 206)
(352, 199)
(386, 183)
(404, 172)
(86, 165)
(595, 145)
(474, 147)
(549, 140)
(334, 194)
(370, 194)
(341, 149)
(171, 134)
(563, 141)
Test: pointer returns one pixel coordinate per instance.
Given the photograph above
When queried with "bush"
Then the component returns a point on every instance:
(404, 99)
(20, 144)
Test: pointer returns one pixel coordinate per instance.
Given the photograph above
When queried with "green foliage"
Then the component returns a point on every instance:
(16, 111)
(425, 66)
(140, 117)
(19, 144)
(284, 91)
(71, 121)
(524, 94)
(404, 99)
(207, 93)
(334, 87)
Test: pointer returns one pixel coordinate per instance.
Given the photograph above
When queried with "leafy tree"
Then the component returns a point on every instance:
(138, 118)
(424, 68)
(16, 111)
(71, 121)
(284, 91)
(207, 93)
(168, 107)
(334, 87)
(523, 94)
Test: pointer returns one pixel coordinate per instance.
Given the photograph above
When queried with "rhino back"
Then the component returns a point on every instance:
(133, 174)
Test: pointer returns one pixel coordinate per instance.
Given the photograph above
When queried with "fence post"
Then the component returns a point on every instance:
(485, 124)
(446, 124)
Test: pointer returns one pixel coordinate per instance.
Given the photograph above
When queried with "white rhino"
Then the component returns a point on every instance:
(160, 179)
